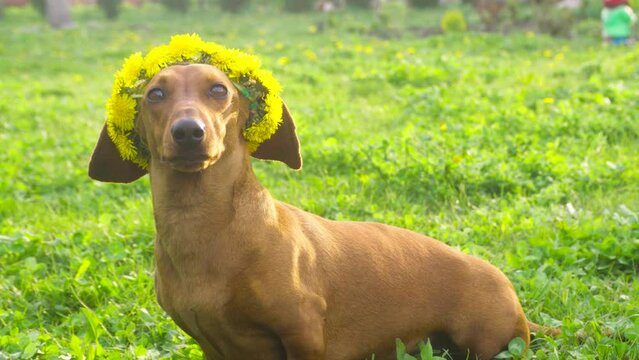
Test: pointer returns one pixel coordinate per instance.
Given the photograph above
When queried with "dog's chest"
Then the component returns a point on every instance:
(210, 308)
(189, 294)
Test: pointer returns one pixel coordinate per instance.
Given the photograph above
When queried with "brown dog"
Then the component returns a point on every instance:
(250, 277)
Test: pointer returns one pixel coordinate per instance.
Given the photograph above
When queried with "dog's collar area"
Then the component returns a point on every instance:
(257, 85)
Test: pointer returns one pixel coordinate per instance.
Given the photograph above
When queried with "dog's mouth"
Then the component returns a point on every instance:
(191, 162)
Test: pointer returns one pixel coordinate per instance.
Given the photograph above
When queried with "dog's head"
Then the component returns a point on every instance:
(191, 116)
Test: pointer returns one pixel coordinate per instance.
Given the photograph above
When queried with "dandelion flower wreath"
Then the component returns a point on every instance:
(256, 84)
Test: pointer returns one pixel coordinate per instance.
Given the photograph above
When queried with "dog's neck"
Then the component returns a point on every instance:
(203, 209)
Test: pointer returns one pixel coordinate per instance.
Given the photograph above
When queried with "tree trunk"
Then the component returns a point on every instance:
(59, 14)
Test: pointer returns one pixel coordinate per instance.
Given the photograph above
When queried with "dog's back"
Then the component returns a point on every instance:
(382, 282)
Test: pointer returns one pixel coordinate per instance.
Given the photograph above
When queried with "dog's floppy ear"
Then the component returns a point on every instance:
(107, 165)
(283, 145)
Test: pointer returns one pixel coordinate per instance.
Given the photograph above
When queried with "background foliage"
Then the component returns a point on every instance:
(520, 149)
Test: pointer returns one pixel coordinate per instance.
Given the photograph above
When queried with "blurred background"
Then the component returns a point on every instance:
(556, 17)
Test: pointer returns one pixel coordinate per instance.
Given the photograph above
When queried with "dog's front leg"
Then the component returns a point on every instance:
(304, 342)
(303, 334)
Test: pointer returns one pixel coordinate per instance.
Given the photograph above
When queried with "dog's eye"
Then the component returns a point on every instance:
(155, 95)
(218, 91)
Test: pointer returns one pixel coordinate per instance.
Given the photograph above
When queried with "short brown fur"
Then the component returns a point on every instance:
(250, 277)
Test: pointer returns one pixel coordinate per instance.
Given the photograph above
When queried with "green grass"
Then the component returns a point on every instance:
(520, 149)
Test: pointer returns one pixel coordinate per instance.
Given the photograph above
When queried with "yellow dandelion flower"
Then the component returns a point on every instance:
(279, 46)
(273, 105)
(126, 147)
(185, 47)
(244, 64)
(251, 146)
(117, 85)
(252, 63)
(267, 80)
(212, 48)
(226, 59)
(549, 100)
(283, 60)
(130, 71)
(121, 111)
(141, 162)
(155, 60)
(122, 142)
(312, 29)
(339, 45)
(310, 55)
(131, 36)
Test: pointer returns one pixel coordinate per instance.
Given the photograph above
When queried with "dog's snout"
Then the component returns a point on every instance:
(188, 132)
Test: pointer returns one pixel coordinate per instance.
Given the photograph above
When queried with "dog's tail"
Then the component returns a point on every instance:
(581, 335)
(546, 330)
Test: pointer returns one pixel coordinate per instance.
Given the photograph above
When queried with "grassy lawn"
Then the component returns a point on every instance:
(520, 149)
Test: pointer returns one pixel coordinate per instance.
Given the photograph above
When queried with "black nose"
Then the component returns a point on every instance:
(188, 132)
